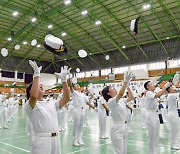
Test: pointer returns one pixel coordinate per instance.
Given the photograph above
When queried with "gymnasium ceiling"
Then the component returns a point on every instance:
(157, 24)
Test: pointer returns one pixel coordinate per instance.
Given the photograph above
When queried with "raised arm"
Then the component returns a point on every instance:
(161, 92)
(70, 85)
(35, 85)
(105, 107)
(127, 78)
(130, 95)
(66, 94)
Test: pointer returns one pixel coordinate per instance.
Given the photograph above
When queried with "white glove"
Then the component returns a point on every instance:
(35, 68)
(63, 74)
(167, 85)
(128, 76)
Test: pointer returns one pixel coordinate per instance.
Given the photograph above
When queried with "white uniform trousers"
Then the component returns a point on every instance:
(78, 116)
(85, 124)
(119, 138)
(70, 113)
(153, 125)
(5, 116)
(60, 119)
(173, 120)
(128, 118)
(102, 123)
(64, 119)
(144, 116)
(30, 130)
(46, 145)
(1, 116)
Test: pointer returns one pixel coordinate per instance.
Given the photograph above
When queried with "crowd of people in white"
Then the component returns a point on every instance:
(47, 117)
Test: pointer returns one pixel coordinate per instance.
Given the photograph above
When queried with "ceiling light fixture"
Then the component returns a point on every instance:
(15, 13)
(84, 12)
(98, 22)
(63, 34)
(66, 2)
(146, 6)
(25, 42)
(33, 19)
(9, 39)
(50, 26)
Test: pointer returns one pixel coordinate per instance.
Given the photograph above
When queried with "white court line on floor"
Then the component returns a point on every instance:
(12, 138)
(87, 148)
(6, 151)
(15, 147)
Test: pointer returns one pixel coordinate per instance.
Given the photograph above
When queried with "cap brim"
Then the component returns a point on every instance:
(60, 52)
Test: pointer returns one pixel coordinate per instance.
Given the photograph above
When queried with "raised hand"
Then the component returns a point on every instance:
(128, 76)
(36, 69)
(62, 75)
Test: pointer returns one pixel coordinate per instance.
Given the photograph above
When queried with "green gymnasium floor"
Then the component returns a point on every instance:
(15, 139)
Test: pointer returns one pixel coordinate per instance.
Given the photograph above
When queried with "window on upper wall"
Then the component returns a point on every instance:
(28, 78)
(92, 73)
(143, 66)
(157, 65)
(178, 62)
(80, 75)
(117, 70)
(20, 75)
(7, 74)
(88, 74)
(133, 67)
(95, 73)
(124, 69)
(105, 71)
(138, 67)
(173, 63)
(160, 65)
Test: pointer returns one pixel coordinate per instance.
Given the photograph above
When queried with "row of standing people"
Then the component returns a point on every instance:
(8, 108)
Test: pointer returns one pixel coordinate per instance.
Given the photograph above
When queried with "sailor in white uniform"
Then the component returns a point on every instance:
(102, 108)
(172, 101)
(5, 103)
(79, 100)
(43, 114)
(143, 110)
(117, 105)
(153, 123)
(70, 110)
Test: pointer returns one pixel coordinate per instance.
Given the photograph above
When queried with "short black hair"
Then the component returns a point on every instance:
(28, 89)
(142, 94)
(146, 84)
(167, 89)
(105, 93)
